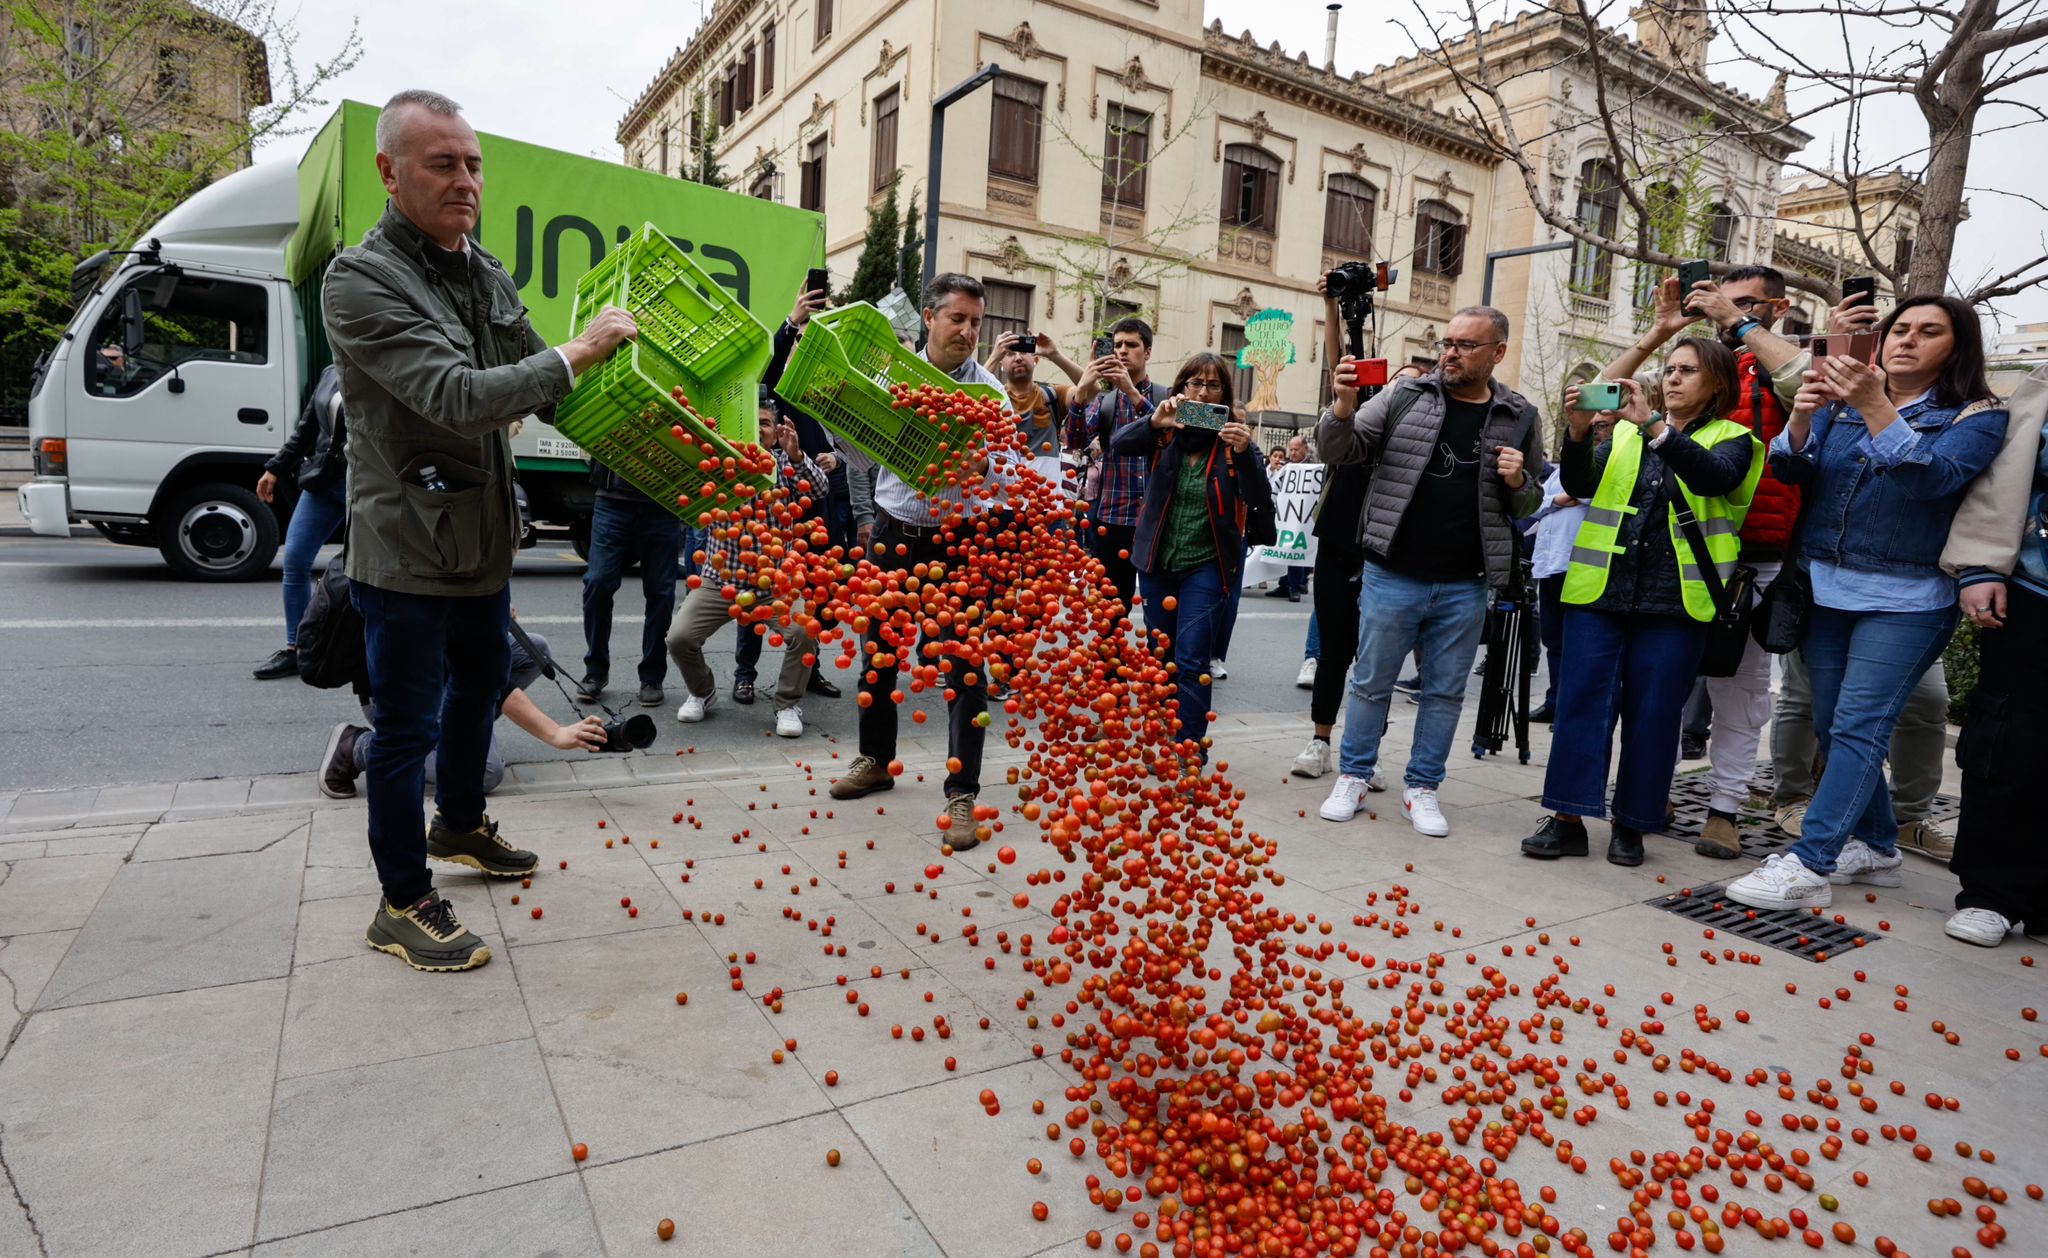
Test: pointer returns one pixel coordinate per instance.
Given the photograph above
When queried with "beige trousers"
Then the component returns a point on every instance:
(704, 612)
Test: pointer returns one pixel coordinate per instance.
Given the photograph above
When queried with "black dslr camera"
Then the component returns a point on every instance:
(627, 733)
(1353, 286)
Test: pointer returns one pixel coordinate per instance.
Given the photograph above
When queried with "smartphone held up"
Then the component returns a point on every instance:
(1601, 395)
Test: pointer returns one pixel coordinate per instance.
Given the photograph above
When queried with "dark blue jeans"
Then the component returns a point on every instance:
(1200, 595)
(1226, 617)
(1634, 669)
(1864, 666)
(313, 522)
(1550, 624)
(649, 532)
(438, 667)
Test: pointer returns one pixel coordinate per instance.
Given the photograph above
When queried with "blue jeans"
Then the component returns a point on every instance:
(1634, 669)
(1226, 617)
(1314, 649)
(1864, 666)
(313, 522)
(1200, 596)
(438, 666)
(654, 535)
(1398, 615)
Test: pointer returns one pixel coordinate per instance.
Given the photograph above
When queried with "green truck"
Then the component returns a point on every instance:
(214, 318)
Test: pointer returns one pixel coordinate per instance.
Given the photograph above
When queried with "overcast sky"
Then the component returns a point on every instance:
(535, 72)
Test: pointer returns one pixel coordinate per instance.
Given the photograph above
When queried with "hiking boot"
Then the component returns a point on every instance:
(1924, 838)
(864, 776)
(338, 763)
(481, 849)
(1555, 838)
(1624, 845)
(1719, 838)
(963, 832)
(426, 937)
(284, 663)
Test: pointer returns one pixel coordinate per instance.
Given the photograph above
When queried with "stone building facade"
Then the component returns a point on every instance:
(1127, 160)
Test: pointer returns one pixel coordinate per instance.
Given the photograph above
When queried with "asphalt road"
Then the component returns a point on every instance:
(112, 670)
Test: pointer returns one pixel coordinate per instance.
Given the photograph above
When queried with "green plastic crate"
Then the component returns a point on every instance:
(692, 335)
(841, 372)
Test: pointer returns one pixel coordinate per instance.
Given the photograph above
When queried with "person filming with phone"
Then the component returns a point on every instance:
(1203, 477)
(1113, 390)
(1667, 493)
(1885, 454)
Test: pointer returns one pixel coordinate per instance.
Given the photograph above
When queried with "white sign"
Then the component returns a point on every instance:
(558, 448)
(1296, 489)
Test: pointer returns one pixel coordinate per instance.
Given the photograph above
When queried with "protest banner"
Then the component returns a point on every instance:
(1296, 488)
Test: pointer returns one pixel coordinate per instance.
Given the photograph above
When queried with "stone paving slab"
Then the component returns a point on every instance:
(375, 1110)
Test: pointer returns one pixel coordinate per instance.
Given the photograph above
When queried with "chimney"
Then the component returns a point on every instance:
(1330, 38)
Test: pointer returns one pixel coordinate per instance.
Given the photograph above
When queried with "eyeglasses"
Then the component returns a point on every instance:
(1680, 369)
(1208, 384)
(1748, 304)
(1463, 347)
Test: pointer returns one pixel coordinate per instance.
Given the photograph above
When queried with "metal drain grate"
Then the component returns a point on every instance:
(1800, 933)
(1760, 835)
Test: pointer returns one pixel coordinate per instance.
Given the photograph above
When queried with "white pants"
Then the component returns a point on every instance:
(1742, 706)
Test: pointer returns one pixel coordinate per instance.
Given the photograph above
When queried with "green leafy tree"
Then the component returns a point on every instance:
(112, 112)
(911, 273)
(876, 271)
(700, 160)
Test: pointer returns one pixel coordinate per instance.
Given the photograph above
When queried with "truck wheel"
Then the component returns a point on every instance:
(217, 533)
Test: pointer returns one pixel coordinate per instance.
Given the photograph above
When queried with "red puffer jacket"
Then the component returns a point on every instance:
(1775, 509)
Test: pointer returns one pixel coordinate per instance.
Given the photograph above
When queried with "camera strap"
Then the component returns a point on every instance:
(547, 666)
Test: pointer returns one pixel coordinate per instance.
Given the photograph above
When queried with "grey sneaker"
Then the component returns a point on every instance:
(962, 835)
(481, 849)
(338, 762)
(426, 937)
(864, 776)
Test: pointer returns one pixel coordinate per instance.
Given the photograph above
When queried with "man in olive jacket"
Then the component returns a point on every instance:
(437, 359)
(1450, 455)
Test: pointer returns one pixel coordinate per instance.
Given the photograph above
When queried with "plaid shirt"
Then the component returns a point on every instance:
(721, 548)
(1123, 475)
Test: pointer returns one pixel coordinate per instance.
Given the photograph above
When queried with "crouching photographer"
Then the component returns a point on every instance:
(1668, 493)
(1205, 477)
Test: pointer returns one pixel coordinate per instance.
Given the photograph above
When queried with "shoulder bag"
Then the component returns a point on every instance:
(1734, 600)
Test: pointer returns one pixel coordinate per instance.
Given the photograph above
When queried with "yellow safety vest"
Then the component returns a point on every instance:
(1594, 549)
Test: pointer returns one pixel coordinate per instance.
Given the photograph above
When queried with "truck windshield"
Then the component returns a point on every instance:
(185, 318)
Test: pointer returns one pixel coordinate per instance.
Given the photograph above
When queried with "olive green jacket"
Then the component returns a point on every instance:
(437, 358)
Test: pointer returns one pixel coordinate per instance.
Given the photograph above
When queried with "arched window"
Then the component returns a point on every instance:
(1599, 211)
(1251, 189)
(1348, 206)
(1665, 207)
(1721, 225)
(1439, 240)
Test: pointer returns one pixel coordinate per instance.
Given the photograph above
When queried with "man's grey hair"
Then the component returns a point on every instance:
(1495, 317)
(389, 122)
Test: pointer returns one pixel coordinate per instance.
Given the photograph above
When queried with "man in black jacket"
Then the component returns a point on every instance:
(314, 455)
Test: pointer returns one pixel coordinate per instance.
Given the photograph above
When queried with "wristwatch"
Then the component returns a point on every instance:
(1742, 327)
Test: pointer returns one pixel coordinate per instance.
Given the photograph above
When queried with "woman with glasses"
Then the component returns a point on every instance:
(1883, 455)
(1188, 547)
(1636, 601)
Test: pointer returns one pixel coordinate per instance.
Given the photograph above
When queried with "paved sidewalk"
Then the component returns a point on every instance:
(204, 1058)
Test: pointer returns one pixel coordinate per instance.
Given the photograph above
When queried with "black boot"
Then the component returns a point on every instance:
(1626, 847)
(1555, 838)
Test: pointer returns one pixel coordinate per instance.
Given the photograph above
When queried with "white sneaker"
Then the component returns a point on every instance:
(1423, 812)
(1306, 678)
(1216, 670)
(1860, 862)
(1987, 928)
(1345, 799)
(789, 722)
(694, 707)
(1782, 882)
(1374, 784)
(1314, 761)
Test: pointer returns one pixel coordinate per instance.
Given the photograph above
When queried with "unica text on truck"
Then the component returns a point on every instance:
(191, 352)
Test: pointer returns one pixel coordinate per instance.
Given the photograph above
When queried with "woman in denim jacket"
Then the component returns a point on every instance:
(1885, 455)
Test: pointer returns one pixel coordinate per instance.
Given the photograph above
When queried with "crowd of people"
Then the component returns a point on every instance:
(1874, 503)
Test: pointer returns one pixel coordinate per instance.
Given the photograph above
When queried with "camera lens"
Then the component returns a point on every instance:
(628, 733)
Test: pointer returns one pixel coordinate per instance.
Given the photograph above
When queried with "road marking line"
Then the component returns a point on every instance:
(214, 622)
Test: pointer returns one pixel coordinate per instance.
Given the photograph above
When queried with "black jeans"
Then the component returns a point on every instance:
(1336, 610)
(2001, 858)
(438, 667)
(652, 534)
(1109, 543)
(964, 736)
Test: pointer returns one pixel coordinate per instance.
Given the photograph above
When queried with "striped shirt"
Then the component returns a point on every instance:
(723, 544)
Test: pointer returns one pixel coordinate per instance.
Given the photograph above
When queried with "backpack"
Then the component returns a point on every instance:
(331, 650)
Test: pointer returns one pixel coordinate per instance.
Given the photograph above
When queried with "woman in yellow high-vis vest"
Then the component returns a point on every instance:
(1636, 605)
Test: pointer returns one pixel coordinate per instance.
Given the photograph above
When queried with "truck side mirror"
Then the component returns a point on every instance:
(131, 323)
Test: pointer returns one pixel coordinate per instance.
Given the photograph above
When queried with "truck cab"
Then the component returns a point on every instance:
(179, 375)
